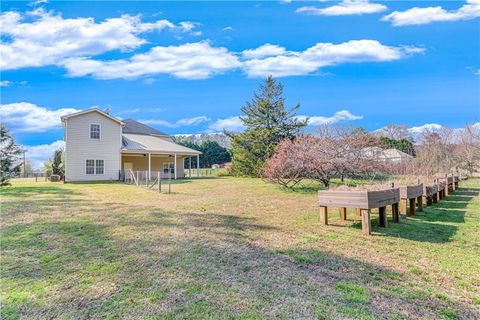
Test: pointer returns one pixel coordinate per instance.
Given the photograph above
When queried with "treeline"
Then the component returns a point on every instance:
(212, 153)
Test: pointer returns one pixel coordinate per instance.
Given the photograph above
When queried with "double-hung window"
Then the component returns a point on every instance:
(94, 131)
(168, 167)
(90, 167)
(94, 166)
(99, 168)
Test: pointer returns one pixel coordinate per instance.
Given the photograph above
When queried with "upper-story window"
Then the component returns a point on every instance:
(94, 131)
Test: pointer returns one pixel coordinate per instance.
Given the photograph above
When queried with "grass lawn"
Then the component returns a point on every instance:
(225, 248)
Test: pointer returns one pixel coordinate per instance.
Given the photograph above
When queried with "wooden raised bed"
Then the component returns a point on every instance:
(411, 194)
(430, 193)
(363, 201)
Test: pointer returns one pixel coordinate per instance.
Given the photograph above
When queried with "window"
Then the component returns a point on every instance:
(99, 167)
(168, 167)
(94, 166)
(94, 131)
(90, 167)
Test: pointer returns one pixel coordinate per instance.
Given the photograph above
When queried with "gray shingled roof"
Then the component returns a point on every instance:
(135, 127)
(147, 143)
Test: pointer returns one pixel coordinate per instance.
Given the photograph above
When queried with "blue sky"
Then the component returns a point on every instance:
(188, 67)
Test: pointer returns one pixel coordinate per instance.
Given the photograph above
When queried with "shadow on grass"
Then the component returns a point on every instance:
(437, 223)
(27, 191)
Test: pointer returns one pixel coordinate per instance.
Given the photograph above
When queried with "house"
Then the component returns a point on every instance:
(100, 147)
(387, 155)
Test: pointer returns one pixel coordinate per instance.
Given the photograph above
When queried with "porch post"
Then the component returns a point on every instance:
(198, 165)
(190, 167)
(149, 166)
(175, 166)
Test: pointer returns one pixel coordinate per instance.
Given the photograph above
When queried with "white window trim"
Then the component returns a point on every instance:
(99, 131)
(94, 168)
(171, 166)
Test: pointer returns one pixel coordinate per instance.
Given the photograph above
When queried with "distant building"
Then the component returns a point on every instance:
(387, 155)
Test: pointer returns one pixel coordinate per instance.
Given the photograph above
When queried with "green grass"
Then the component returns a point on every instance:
(229, 248)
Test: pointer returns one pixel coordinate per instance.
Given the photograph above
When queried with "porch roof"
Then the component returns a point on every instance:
(137, 143)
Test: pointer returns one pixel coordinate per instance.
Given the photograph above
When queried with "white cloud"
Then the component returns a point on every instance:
(228, 28)
(325, 54)
(477, 72)
(5, 83)
(346, 7)
(28, 117)
(47, 38)
(188, 61)
(426, 15)
(179, 123)
(337, 117)
(234, 124)
(266, 50)
(39, 154)
(231, 124)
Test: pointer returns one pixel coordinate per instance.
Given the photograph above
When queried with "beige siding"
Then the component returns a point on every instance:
(140, 162)
(79, 147)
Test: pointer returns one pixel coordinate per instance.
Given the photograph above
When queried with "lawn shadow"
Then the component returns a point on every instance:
(436, 224)
(28, 191)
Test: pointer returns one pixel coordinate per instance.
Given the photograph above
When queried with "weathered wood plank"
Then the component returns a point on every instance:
(366, 223)
(343, 213)
(382, 211)
(324, 215)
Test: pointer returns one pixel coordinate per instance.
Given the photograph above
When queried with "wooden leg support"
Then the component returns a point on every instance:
(436, 197)
(445, 192)
(343, 213)
(403, 206)
(358, 212)
(395, 213)
(323, 215)
(411, 207)
(382, 211)
(366, 225)
(420, 204)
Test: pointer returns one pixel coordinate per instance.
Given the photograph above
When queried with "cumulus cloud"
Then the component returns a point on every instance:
(426, 15)
(337, 117)
(179, 123)
(39, 154)
(344, 8)
(28, 117)
(5, 83)
(46, 38)
(234, 124)
(188, 61)
(293, 63)
(231, 124)
(263, 51)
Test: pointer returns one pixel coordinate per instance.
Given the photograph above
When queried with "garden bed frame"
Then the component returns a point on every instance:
(363, 201)
(411, 194)
(430, 193)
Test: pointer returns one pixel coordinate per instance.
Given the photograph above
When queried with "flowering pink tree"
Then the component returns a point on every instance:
(334, 153)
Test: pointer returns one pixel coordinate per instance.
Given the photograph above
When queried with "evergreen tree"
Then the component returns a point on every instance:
(10, 154)
(403, 144)
(58, 166)
(212, 153)
(267, 122)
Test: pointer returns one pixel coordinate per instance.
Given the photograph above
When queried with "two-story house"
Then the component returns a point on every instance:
(100, 147)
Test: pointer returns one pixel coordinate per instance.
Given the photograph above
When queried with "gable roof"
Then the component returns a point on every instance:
(71, 115)
(147, 143)
(135, 127)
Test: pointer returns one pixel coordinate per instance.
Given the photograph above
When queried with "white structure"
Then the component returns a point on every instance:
(99, 147)
(387, 155)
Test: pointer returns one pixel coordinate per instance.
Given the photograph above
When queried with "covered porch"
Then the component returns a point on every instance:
(152, 165)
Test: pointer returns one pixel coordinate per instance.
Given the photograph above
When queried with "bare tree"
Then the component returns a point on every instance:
(394, 131)
(468, 148)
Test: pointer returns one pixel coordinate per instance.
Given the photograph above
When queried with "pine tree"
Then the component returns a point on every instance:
(267, 123)
(9, 156)
(58, 166)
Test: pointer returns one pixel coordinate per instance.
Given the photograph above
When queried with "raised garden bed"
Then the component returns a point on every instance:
(430, 193)
(411, 195)
(363, 201)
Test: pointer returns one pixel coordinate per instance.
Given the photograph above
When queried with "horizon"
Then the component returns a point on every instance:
(189, 68)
